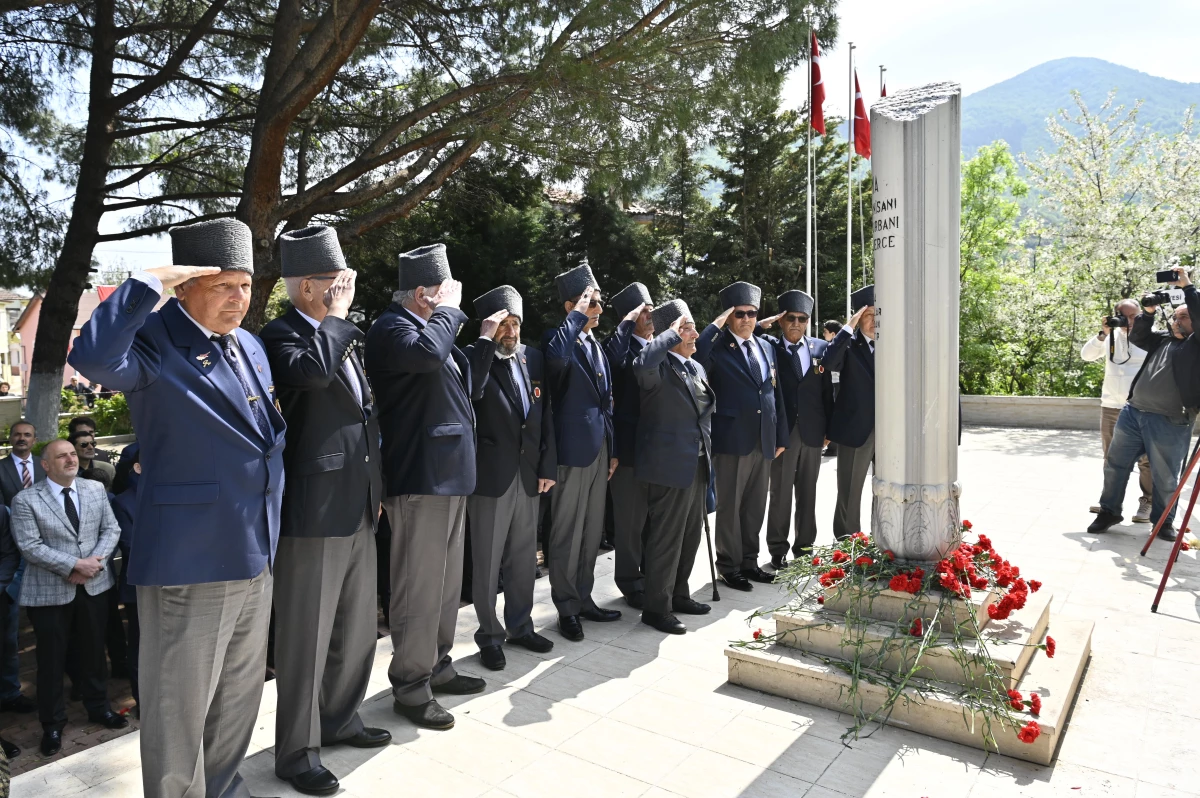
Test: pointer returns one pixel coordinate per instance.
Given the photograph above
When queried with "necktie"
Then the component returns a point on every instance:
(593, 353)
(69, 507)
(794, 349)
(256, 408)
(26, 478)
(752, 359)
(352, 377)
(515, 382)
(690, 367)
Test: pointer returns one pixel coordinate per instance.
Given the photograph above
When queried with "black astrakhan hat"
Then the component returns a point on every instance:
(862, 297)
(424, 266)
(571, 284)
(503, 298)
(310, 250)
(224, 243)
(664, 315)
(740, 294)
(629, 298)
(795, 302)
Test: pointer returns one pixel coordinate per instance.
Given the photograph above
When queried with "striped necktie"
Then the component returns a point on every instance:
(26, 477)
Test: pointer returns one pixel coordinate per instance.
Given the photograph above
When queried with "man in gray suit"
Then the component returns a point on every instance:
(66, 531)
(325, 575)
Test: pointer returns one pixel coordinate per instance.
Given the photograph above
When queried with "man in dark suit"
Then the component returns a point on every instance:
(516, 462)
(807, 398)
(852, 423)
(672, 461)
(18, 471)
(749, 429)
(580, 378)
(325, 627)
(628, 493)
(66, 532)
(201, 399)
(423, 390)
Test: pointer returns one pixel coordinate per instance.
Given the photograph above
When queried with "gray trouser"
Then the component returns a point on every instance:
(1108, 420)
(201, 666)
(629, 519)
(427, 556)
(325, 631)
(794, 471)
(576, 526)
(676, 518)
(852, 465)
(503, 540)
(741, 504)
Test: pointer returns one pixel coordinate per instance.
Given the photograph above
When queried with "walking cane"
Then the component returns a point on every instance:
(712, 569)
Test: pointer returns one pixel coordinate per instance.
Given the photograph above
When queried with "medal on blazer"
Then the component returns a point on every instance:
(772, 376)
(204, 361)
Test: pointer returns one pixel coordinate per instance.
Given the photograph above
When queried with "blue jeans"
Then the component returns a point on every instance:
(1163, 441)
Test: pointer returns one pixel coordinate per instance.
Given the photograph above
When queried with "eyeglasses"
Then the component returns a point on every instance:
(596, 303)
(745, 314)
(86, 444)
(795, 318)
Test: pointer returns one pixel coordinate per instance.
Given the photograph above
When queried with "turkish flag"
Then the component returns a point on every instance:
(817, 112)
(883, 90)
(862, 124)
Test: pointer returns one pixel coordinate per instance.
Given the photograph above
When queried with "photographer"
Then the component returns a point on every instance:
(1157, 419)
(1122, 361)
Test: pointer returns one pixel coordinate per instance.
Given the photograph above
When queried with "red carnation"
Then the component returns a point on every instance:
(1030, 732)
(1016, 700)
(891, 556)
(864, 561)
(820, 599)
(757, 634)
(998, 612)
(1035, 585)
(840, 556)
(899, 583)
(916, 630)
(1185, 546)
(816, 561)
(831, 576)
(985, 542)
(1050, 646)
(1035, 704)
(966, 524)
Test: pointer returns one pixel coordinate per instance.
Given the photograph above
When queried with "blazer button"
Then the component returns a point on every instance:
(268, 456)
(522, 426)
(522, 451)
(268, 492)
(760, 412)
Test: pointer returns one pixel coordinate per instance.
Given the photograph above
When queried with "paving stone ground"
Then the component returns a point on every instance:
(631, 712)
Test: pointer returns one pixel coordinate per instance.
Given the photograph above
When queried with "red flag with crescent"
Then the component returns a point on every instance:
(862, 123)
(817, 112)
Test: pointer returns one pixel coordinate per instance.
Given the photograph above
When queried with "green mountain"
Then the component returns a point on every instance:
(1016, 109)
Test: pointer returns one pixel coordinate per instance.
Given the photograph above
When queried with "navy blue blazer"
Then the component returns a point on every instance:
(675, 427)
(509, 440)
(750, 412)
(208, 501)
(422, 388)
(582, 403)
(853, 417)
(807, 397)
(621, 348)
(124, 507)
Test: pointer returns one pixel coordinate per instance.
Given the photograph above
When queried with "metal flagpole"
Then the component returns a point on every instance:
(862, 240)
(808, 209)
(849, 183)
(882, 69)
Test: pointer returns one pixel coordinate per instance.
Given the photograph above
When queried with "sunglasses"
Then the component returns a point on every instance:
(795, 318)
(91, 445)
(596, 303)
(745, 314)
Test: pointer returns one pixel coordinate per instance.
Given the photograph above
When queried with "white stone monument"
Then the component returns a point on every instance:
(915, 140)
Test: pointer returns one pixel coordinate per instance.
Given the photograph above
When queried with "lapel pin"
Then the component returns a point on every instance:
(204, 361)
(260, 368)
(537, 393)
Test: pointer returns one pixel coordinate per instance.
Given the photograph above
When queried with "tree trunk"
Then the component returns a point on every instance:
(61, 303)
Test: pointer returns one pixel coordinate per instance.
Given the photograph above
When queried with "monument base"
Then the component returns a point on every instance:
(803, 665)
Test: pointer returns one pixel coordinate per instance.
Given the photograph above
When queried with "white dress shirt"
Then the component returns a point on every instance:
(62, 500)
(764, 371)
(801, 348)
(854, 334)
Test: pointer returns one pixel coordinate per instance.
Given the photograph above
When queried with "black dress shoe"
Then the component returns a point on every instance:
(318, 781)
(570, 627)
(51, 742)
(21, 703)
(532, 641)
(110, 720)
(664, 623)
(757, 574)
(600, 615)
(461, 684)
(606, 545)
(1104, 520)
(429, 715)
(11, 751)
(492, 658)
(689, 606)
(367, 738)
(1167, 533)
(636, 599)
(736, 581)
(779, 563)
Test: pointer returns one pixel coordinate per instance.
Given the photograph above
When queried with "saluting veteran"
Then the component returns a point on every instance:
(628, 493)
(201, 399)
(852, 423)
(672, 461)
(749, 430)
(515, 462)
(423, 389)
(325, 575)
(807, 400)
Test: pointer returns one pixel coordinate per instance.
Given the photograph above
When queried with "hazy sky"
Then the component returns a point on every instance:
(981, 42)
(975, 42)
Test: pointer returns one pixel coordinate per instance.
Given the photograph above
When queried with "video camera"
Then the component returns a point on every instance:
(1117, 321)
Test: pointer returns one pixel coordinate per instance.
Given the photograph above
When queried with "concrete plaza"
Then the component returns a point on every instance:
(632, 712)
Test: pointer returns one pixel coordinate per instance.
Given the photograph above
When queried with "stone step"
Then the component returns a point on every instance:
(891, 606)
(790, 673)
(1010, 642)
